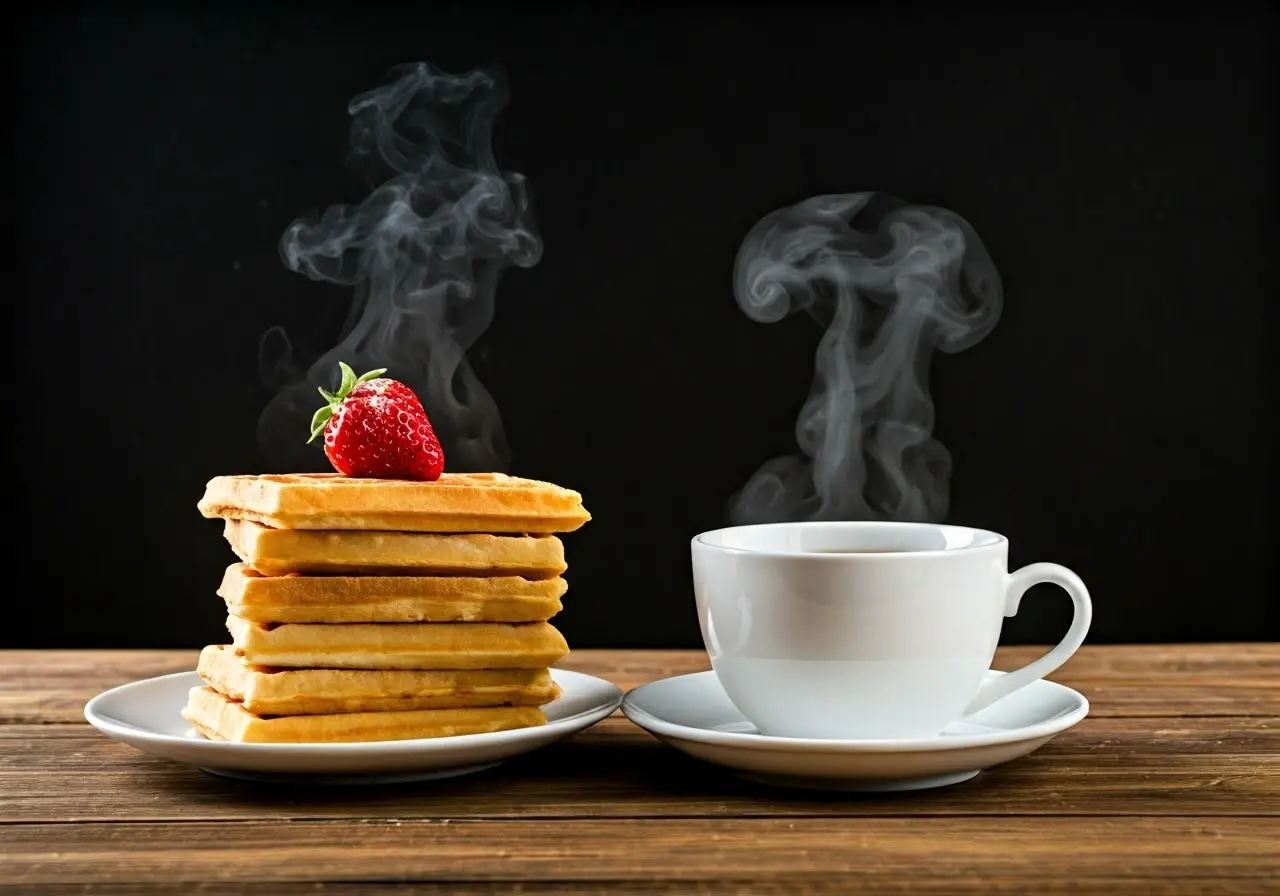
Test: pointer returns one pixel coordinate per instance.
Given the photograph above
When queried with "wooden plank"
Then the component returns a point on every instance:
(1145, 855)
(1132, 681)
(813, 885)
(810, 884)
(1210, 662)
(1102, 767)
(49, 686)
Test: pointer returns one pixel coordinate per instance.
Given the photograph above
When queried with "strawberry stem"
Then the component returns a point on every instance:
(334, 400)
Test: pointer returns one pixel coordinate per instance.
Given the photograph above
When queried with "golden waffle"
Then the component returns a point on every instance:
(279, 551)
(427, 645)
(456, 502)
(294, 598)
(269, 690)
(218, 718)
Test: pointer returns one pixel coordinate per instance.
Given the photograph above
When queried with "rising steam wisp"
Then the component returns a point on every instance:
(890, 282)
(424, 252)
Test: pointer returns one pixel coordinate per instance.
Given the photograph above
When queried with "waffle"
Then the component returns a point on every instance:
(269, 690)
(293, 598)
(219, 718)
(468, 645)
(456, 502)
(279, 551)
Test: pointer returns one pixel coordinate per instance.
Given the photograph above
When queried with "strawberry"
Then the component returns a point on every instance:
(375, 426)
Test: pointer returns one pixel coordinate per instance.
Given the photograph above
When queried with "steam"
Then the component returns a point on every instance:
(890, 282)
(424, 252)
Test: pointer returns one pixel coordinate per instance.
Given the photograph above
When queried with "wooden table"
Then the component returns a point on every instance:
(1171, 785)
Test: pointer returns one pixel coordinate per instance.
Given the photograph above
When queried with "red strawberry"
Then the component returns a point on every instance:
(376, 427)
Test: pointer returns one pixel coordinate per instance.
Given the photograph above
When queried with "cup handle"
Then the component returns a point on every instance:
(1017, 586)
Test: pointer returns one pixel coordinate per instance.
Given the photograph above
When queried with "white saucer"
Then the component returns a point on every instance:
(693, 714)
(146, 715)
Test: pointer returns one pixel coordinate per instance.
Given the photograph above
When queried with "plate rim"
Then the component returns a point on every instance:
(763, 742)
(579, 721)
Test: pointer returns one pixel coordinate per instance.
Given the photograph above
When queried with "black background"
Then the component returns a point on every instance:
(1120, 167)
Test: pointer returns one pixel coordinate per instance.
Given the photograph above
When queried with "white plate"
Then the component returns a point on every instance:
(146, 715)
(693, 714)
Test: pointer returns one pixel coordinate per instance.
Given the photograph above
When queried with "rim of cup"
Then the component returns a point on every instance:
(983, 539)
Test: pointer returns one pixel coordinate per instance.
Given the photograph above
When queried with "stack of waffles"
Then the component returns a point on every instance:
(366, 609)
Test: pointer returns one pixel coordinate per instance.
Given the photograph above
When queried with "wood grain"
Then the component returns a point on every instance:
(809, 884)
(1172, 785)
(927, 855)
(1201, 767)
(1129, 681)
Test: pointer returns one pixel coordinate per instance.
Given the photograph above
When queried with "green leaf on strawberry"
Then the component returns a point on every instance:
(348, 378)
(334, 400)
(318, 421)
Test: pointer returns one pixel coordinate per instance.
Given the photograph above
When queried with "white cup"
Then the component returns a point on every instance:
(865, 630)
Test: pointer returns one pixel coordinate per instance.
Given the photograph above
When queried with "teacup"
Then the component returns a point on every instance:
(863, 629)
